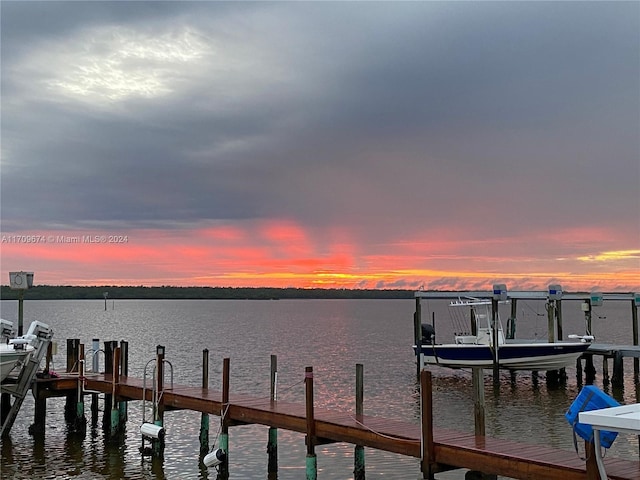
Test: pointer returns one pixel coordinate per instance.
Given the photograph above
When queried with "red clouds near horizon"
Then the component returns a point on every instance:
(285, 254)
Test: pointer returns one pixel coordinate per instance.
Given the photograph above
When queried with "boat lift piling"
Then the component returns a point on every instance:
(73, 366)
(311, 461)
(109, 347)
(223, 472)
(204, 417)
(358, 457)
(272, 443)
(124, 370)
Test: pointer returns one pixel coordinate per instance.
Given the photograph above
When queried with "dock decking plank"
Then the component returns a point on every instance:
(451, 448)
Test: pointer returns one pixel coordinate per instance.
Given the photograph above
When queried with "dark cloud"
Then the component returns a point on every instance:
(344, 113)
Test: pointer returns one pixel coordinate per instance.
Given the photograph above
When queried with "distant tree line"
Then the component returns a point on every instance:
(65, 292)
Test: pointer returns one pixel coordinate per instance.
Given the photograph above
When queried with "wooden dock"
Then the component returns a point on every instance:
(617, 353)
(441, 450)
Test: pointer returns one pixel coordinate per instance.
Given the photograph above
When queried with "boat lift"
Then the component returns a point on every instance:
(39, 336)
(154, 430)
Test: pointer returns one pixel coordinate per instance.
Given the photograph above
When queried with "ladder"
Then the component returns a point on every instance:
(39, 336)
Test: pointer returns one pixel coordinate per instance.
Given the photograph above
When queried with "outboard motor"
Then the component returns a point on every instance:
(428, 334)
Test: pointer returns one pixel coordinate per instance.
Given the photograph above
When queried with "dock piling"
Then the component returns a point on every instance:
(71, 403)
(95, 367)
(109, 347)
(635, 303)
(311, 462)
(157, 444)
(115, 410)
(272, 443)
(223, 471)
(204, 417)
(124, 371)
(358, 457)
(427, 462)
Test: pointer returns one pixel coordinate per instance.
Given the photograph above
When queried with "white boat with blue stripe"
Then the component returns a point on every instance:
(476, 348)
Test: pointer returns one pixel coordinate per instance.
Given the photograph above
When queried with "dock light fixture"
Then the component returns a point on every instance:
(500, 292)
(555, 292)
(215, 458)
(153, 431)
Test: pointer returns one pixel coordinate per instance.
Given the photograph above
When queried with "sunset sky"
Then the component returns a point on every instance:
(443, 145)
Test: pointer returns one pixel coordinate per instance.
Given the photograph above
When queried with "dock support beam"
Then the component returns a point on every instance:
(617, 379)
(109, 348)
(95, 366)
(204, 418)
(157, 445)
(71, 403)
(358, 457)
(223, 472)
(634, 326)
(124, 371)
(311, 463)
(496, 343)
(79, 421)
(115, 410)
(417, 334)
(272, 443)
(427, 463)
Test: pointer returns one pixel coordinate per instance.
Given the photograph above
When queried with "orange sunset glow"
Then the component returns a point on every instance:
(283, 254)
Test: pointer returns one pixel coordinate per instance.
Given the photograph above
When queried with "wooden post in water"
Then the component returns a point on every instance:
(559, 319)
(562, 373)
(551, 321)
(204, 418)
(109, 347)
(511, 328)
(358, 458)
(124, 371)
(427, 462)
(40, 410)
(589, 369)
(71, 403)
(95, 366)
(224, 428)
(478, 401)
(417, 334)
(157, 444)
(617, 379)
(634, 320)
(553, 376)
(272, 443)
(312, 462)
(495, 342)
(80, 421)
(115, 380)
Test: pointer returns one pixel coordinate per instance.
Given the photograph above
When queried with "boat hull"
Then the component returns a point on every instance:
(512, 356)
(10, 359)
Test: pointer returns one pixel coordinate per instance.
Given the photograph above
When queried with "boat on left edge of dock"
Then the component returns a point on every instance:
(14, 352)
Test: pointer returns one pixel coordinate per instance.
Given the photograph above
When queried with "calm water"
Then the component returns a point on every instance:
(330, 335)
